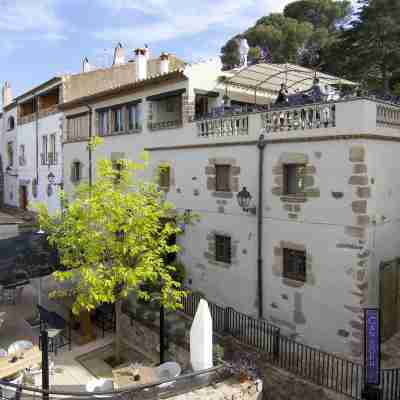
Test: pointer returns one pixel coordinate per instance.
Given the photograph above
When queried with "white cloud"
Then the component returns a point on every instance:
(26, 15)
(173, 19)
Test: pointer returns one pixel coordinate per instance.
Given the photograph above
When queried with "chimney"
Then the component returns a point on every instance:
(164, 63)
(86, 67)
(147, 51)
(141, 64)
(119, 55)
(6, 93)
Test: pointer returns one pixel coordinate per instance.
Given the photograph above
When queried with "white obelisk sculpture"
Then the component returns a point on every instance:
(201, 338)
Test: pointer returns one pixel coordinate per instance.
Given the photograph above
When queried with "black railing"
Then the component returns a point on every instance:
(322, 368)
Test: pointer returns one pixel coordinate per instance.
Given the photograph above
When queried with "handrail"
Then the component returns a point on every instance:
(130, 389)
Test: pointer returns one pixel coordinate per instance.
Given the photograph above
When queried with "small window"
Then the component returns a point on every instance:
(222, 178)
(164, 176)
(134, 116)
(118, 165)
(10, 123)
(10, 153)
(44, 155)
(294, 264)
(293, 178)
(223, 248)
(76, 172)
(103, 122)
(22, 159)
(117, 118)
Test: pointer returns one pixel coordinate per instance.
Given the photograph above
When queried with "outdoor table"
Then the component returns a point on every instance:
(26, 359)
(124, 376)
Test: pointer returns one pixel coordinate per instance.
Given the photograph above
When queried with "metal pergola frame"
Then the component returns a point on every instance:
(286, 69)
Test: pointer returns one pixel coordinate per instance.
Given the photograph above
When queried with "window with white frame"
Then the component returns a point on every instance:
(76, 172)
(103, 122)
(134, 116)
(10, 153)
(117, 119)
(44, 154)
(52, 154)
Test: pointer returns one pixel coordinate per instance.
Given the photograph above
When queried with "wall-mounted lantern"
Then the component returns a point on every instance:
(244, 200)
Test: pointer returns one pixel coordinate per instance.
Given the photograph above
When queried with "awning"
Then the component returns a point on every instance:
(269, 77)
(166, 94)
(26, 256)
(208, 93)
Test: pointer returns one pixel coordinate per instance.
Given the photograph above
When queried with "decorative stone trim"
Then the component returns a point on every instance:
(209, 254)
(277, 267)
(310, 189)
(170, 164)
(210, 172)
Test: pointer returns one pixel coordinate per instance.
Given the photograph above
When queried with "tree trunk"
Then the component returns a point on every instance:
(118, 339)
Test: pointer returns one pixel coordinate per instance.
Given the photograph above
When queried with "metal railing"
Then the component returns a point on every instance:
(322, 368)
(231, 126)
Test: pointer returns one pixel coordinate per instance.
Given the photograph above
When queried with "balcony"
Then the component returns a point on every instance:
(155, 126)
(49, 158)
(344, 117)
(219, 127)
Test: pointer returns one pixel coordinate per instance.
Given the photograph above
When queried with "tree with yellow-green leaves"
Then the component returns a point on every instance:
(113, 239)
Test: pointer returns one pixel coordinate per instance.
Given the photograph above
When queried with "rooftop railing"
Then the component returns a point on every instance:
(235, 125)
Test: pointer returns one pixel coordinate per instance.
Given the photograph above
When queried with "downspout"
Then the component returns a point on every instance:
(37, 138)
(89, 146)
(261, 146)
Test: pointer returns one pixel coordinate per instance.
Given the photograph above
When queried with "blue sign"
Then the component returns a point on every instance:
(372, 347)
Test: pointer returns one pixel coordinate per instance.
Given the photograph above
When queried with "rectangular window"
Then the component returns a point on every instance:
(117, 118)
(10, 153)
(52, 154)
(77, 127)
(76, 170)
(164, 176)
(294, 264)
(22, 159)
(222, 178)
(134, 117)
(44, 150)
(223, 248)
(103, 122)
(293, 178)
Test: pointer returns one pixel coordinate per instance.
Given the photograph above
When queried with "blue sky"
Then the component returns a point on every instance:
(43, 38)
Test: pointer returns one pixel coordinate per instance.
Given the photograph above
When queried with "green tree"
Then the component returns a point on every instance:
(327, 14)
(114, 239)
(371, 46)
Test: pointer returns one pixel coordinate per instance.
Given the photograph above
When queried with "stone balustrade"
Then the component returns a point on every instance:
(227, 126)
(303, 117)
(387, 115)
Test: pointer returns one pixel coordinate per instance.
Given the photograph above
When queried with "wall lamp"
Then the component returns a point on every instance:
(244, 200)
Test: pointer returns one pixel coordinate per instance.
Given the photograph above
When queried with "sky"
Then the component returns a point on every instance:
(43, 38)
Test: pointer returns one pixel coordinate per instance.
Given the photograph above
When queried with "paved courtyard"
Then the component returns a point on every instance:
(68, 373)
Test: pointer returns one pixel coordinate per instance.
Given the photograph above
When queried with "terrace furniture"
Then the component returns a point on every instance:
(100, 385)
(20, 361)
(58, 329)
(19, 346)
(105, 317)
(9, 392)
(167, 370)
(10, 293)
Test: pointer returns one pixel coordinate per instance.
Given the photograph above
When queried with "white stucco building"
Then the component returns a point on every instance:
(310, 255)
(329, 202)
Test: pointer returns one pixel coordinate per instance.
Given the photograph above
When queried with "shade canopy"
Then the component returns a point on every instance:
(265, 77)
(26, 256)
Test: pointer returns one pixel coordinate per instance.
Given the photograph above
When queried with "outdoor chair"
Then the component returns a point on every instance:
(10, 392)
(58, 330)
(105, 317)
(19, 346)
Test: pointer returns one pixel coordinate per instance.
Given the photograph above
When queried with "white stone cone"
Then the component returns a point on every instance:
(201, 338)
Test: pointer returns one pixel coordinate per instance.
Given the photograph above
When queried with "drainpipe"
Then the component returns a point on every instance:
(36, 102)
(261, 146)
(90, 139)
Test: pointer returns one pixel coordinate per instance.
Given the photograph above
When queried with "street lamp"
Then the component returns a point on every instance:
(244, 200)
